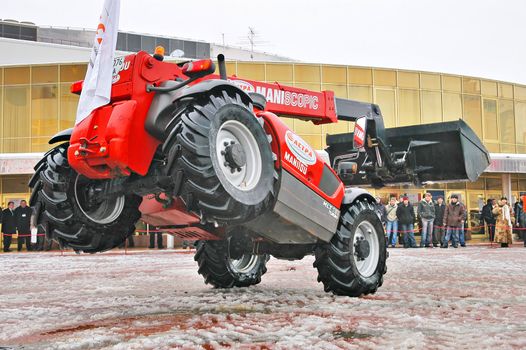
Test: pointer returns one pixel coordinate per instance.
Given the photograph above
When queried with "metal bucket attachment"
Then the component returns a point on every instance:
(440, 152)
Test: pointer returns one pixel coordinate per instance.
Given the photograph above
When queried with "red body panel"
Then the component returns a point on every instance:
(112, 140)
(316, 106)
(155, 214)
(298, 158)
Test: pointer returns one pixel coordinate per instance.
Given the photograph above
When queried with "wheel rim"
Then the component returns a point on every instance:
(239, 156)
(366, 249)
(243, 265)
(104, 212)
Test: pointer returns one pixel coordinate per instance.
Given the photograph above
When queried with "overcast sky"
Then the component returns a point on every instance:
(469, 37)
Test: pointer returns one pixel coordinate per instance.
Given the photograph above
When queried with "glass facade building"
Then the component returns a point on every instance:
(35, 103)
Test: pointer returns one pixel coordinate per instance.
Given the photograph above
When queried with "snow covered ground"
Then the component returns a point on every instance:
(472, 298)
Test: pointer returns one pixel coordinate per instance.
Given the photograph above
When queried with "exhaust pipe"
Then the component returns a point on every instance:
(222, 66)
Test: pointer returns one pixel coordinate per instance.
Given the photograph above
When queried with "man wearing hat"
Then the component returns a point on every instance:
(406, 219)
(454, 217)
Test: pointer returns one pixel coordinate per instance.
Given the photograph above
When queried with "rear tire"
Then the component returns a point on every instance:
(354, 261)
(70, 218)
(225, 156)
(221, 271)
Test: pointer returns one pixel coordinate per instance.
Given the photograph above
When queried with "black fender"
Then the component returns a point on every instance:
(353, 194)
(62, 136)
(164, 104)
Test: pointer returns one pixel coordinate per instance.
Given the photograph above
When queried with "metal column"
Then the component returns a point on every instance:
(506, 187)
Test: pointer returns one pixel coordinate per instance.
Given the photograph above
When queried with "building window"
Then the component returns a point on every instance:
(190, 49)
(361, 93)
(520, 124)
(339, 90)
(408, 80)
(409, 102)
(431, 107)
(148, 44)
(450, 83)
(121, 42)
(520, 92)
(334, 75)
(306, 73)
(471, 86)
(507, 126)
(360, 76)
(505, 90)
(490, 120)
(16, 121)
(134, 43)
(44, 74)
(488, 88)
(68, 107)
(493, 184)
(473, 114)
(452, 106)
(281, 73)
(254, 71)
(44, 110)
(18, 75)
(430, 81)
(387, 101)
(384, 77)
(14, 184)
(73, 72)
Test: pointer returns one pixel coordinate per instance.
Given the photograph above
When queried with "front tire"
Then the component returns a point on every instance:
(225, 156)
(222, 271)
(71, 218)
(354, 261)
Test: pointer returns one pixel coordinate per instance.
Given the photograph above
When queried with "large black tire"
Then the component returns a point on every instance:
(211, 172)
(59, 191)
(221, 271)
(339, 262)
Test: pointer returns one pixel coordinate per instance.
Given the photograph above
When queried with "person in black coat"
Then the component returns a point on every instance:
(488, 217)
(439, 229)
(406, 219)
(23, 219)
(8, 225)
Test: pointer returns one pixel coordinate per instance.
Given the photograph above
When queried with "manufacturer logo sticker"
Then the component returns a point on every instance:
(300, 148)
(332, 209)
(119, 65)
(243, 85)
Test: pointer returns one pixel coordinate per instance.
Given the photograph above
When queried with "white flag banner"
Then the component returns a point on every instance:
(96, 89)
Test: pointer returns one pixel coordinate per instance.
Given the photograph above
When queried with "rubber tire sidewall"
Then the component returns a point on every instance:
(376, 278)
(95, 237)
(335, 261)
(214, 266)
(265, 184)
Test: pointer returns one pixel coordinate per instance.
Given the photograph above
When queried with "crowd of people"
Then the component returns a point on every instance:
(440, 223)
(443, 224)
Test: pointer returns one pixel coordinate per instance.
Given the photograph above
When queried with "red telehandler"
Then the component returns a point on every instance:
(207, 157)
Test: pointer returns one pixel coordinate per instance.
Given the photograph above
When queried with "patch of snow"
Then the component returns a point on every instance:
(432, 298)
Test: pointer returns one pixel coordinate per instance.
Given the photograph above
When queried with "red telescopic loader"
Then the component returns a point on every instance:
(207, 157)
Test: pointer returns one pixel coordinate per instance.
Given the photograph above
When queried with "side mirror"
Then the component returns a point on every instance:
(360, 132)
(347, 169)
